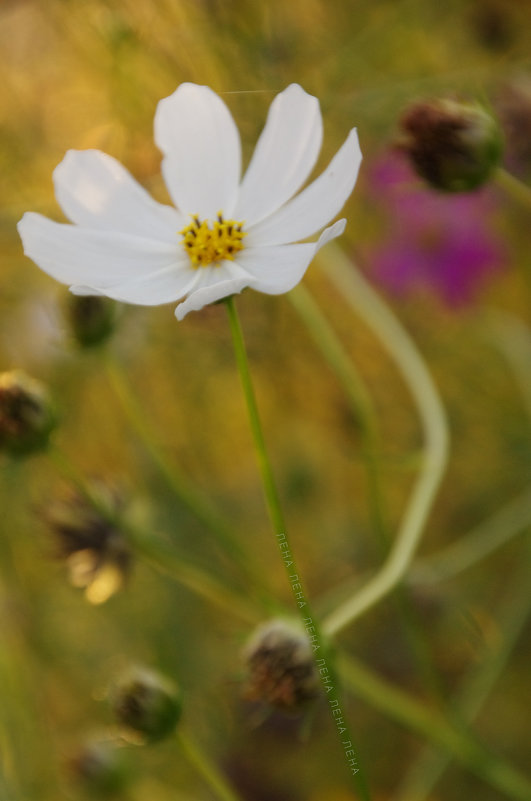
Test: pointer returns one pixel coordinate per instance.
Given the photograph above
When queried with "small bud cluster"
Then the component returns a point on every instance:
(146, 705)
(27, 414)
(94, 548)
(281, 668)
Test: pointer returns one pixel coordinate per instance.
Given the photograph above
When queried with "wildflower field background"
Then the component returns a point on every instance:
(437, 680)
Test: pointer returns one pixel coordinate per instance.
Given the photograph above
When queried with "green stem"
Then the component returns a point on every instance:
(274, 507)
(514, 187)
(158, 553)
(357, 393)
(362, 298)
(272, 498)
(430, 724)
(206, 768)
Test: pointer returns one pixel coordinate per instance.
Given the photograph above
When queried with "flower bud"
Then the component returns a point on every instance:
(281, 667)
(91, 317)
(94, 548)
(146, 705)
(27, 415)
(100, 768)
(454, 146)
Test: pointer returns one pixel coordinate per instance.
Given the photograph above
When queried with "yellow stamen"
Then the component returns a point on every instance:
(207, 244)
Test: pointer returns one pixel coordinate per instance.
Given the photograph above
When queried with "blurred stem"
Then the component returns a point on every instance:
(513, 186)
(425, 773)
(364, 300)
(430, 724)
(357, 393)
(484, 539)
(275, 509)
(513, 338)
(159, 554)
(207, 769)
(194, 501)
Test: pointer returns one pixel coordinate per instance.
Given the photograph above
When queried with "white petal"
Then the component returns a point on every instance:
(210, 294)
(163, 286)
(201, 146)
(284, 155)
(95, 191)
(316, 205)
(93, 258)
(279, 268)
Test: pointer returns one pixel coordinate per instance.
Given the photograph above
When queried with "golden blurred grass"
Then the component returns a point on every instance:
(88, 73)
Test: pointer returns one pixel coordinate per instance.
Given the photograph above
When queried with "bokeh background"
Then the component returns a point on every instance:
(456, 271)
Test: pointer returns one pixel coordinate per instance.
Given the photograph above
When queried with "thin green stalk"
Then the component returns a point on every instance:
(364, 300)
(277, 517)
(206, 768)
(177, 482)
(357, 393)
(425, 773)
(514, 187)
(158, 553)
(431, 725)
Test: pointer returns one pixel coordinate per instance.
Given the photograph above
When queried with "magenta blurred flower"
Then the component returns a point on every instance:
(442, 242)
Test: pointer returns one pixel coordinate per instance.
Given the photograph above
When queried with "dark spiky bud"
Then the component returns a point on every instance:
(146, 705)
(27, 414)
(90, 540)
(92, 318)
(280, 664)
(454, 146)
(100, 768)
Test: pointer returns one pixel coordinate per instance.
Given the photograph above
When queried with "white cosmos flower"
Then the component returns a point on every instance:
(223, 234)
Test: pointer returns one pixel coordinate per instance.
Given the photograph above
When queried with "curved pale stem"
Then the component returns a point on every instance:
(365, 302)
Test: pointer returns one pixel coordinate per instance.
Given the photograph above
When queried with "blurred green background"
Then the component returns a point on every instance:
(88, 74)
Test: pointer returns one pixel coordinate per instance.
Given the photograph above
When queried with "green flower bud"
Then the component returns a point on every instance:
(454, 146)
(27, 415)
(281, 667)
(92, 318)
(101, 769)
(147, 706)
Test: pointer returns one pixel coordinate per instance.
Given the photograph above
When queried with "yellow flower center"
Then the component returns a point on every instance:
(208, 244)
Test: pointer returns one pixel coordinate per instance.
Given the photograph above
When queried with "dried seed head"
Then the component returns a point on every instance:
(94, 548)
(27, 414)
(91, 318)
(281, 667)
(454, 146)
(146, 705)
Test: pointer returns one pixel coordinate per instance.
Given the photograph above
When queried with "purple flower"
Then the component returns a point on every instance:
(442, 242)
